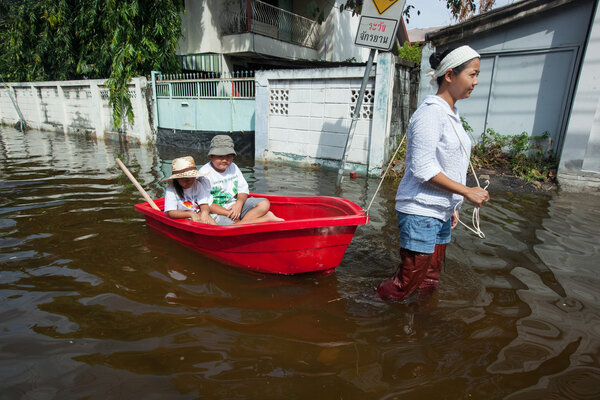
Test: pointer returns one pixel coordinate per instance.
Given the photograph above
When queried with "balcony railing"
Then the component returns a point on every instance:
(262, 18)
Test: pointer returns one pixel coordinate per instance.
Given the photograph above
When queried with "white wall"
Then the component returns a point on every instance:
(304, 116)
(338, 32)
(199, 24)
(580, 159)
(75, 106)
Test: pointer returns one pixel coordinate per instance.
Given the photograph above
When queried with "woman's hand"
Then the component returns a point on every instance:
(477, 195)
(455, 218)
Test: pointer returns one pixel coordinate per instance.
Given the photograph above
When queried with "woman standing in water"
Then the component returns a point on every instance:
(433, 186)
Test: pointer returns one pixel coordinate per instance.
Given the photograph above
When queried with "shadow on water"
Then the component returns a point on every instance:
(95, 305)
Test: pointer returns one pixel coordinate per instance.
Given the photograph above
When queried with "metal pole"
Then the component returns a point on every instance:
(359, 101)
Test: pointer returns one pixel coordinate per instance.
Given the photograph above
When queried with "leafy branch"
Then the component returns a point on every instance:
(77, 39)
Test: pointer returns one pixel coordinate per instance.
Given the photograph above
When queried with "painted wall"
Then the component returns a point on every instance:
(580, 159)
(214, 115)
(304, 116)
(200, 25)
(75, 106)
(337, 34)
(258, 44)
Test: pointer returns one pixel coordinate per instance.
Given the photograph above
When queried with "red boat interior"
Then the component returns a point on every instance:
(290, 209)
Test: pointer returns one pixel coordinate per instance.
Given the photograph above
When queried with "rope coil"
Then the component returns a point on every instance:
(475, 217)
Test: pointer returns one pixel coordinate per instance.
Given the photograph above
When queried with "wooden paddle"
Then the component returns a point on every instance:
(136, 184)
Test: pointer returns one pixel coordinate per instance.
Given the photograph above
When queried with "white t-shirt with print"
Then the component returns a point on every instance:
(225, 186)
(198, 194)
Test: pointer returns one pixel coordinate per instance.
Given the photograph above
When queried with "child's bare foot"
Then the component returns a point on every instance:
(272, 217)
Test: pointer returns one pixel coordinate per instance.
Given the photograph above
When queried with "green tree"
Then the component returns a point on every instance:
(74, 39)
(410, 52)
(461, 10)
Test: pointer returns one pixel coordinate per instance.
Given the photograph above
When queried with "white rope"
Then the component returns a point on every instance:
(475, 217)
(386, 170)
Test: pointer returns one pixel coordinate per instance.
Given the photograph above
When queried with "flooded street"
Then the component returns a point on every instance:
(95, 305)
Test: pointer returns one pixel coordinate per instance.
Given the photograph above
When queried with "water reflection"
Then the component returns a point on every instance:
(96, 305)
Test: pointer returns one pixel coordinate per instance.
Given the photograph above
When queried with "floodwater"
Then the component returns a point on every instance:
(94, 305)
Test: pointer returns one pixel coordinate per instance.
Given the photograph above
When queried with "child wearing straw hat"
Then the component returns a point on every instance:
(229, 188)
(187, 195)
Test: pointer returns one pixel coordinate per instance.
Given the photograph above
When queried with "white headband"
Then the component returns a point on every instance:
(453, 59)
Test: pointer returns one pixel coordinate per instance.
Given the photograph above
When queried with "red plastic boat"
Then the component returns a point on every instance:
(314, 236)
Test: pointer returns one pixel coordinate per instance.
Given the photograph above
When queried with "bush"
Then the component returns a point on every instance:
(410, 52)
(529, 157)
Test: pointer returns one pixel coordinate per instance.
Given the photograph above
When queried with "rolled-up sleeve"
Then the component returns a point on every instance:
(424, 136)
(242, 184)
(204, 196)
(170, 199)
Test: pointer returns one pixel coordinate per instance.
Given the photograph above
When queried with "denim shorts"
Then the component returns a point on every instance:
(421, 234)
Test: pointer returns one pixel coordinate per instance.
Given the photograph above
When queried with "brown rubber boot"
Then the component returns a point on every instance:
(432, 277)
(410, 274)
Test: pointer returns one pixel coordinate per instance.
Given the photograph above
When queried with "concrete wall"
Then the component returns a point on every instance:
(580, 160)
(304, 116)
(75, 106)
(337, 34)
(200, 25)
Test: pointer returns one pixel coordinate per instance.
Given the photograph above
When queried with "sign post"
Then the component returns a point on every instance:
(377, 30)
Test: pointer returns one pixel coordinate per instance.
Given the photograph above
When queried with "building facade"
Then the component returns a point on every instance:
(539, 74)
(222, 36)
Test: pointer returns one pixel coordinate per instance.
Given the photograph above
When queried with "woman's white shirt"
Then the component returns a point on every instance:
(433, 146)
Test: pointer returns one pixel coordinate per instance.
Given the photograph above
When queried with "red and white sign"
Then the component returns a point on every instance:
(379, 22)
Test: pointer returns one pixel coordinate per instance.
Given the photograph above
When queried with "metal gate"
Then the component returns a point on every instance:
(204, 102)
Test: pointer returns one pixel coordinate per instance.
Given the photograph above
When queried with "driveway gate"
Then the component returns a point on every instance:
(204, 102)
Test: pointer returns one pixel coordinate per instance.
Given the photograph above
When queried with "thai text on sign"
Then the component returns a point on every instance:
(376, 33)
(378, 23)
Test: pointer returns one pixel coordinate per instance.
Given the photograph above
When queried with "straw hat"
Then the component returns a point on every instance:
(184, 167)
(221, 145)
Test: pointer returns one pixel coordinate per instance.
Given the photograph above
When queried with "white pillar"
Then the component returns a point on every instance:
(142, 122)
(38, 106)
(97, 105)
(61, 98)
(382, 112)
(261, 113)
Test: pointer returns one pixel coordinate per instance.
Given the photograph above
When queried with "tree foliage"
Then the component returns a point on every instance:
(410, 52)
(461, 10)
(464, 9)
(75, 39)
